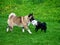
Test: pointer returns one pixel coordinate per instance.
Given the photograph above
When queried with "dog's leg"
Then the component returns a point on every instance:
(41, 30)
(22, 29)
(10, 27)
(45, 30)
(36, 29)
(27, 29)
(7, 28)
(28, 23)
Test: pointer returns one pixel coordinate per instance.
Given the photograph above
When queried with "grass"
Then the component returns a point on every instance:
(44, 10)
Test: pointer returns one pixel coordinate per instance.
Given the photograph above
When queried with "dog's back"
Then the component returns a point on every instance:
(41, 25)
(44, 23)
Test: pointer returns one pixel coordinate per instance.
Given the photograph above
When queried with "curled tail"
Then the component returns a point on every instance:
(12, 15)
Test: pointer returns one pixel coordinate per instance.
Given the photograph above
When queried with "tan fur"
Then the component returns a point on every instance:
(18, 21)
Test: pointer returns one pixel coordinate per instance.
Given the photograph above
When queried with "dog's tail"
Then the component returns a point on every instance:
(12, 15)
(44, 23)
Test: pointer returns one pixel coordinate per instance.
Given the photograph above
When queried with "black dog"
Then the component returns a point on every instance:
(39, 25)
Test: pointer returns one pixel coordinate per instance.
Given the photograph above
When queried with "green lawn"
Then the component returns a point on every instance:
(44, 10)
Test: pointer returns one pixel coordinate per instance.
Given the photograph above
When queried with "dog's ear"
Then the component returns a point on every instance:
(31, 14)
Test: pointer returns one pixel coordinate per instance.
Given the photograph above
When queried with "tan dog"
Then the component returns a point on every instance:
(23, 22)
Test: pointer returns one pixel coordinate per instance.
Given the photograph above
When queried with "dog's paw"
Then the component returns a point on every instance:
(7, 29)
(29, 32)
(23, 30)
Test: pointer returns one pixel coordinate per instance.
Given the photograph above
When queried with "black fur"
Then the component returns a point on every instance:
(30, 14)
(32, 18)
(41, 26)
